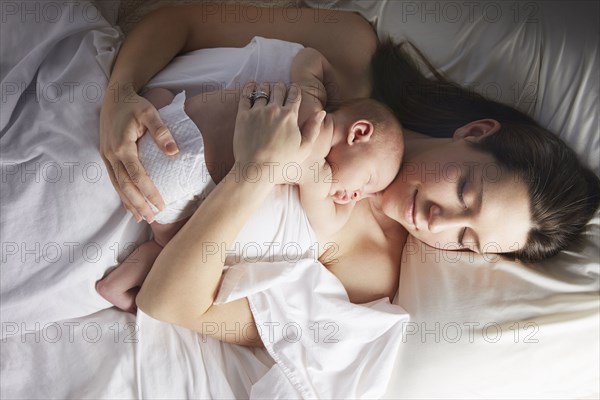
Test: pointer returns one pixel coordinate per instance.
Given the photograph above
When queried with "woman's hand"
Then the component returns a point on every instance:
(124, 118)
(267, 134)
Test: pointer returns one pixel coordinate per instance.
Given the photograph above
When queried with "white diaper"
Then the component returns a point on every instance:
(182, 179)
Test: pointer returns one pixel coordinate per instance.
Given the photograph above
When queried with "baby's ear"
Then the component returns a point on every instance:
(360, 131)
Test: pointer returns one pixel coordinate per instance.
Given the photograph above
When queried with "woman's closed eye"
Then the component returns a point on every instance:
(461, 236)
(461, 191)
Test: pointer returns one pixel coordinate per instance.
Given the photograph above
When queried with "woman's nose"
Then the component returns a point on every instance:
(440, 220)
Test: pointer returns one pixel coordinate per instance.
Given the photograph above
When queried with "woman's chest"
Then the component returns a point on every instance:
(365, 255)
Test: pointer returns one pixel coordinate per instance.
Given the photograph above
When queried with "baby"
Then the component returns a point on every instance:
(357, 154)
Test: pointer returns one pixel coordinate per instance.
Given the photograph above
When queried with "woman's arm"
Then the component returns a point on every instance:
(166, 32)
(184, 280)
(345, 39)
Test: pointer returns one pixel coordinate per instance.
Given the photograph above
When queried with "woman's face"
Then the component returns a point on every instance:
(452, 196)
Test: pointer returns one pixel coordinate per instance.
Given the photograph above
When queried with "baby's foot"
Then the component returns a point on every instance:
(122, 300)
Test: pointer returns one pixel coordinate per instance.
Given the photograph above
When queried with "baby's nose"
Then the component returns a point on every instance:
(356, 195)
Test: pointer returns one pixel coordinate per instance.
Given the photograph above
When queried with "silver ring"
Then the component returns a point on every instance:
(258, 95)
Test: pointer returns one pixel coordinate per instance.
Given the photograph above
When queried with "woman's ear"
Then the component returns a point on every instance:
(360, 131)
(476, 130)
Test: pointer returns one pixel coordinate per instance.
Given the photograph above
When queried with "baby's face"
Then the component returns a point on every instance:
(361, 170)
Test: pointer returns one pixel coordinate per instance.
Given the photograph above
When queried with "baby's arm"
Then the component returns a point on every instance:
(314, 74)
(326, 217)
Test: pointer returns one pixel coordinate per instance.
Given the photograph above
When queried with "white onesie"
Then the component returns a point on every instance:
(182, 179)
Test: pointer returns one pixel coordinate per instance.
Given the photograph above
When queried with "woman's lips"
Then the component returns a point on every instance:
(410, 213)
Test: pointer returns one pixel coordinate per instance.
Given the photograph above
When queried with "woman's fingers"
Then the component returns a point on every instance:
(133, 194)
(122, 123)
(310, 130)
(111, 174)
(278, 93)
(159, 131)
(294, 97)
(140, 178)
(263, 94)
(246, 97)
(269, 135)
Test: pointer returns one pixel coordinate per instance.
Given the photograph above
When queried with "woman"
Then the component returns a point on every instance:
(461, 210)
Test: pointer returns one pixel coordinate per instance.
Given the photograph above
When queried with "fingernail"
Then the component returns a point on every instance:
(172, 147)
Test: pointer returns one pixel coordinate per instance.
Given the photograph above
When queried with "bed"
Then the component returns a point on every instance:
(479, 327)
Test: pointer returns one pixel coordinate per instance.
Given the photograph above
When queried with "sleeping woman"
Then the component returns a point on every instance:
(445, 127)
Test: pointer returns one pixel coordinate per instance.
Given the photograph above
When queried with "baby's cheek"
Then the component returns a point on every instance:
(336, 174)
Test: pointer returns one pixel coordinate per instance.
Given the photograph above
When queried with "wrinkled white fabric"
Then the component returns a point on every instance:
(320, 348)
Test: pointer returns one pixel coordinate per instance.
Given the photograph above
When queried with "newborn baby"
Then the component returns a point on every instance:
(357, 154)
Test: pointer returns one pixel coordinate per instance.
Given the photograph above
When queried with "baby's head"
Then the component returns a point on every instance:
(367, 149)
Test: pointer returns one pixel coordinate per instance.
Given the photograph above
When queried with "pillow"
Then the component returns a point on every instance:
(485, 327)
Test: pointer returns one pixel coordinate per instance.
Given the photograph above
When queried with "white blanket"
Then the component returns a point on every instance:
(62, 227)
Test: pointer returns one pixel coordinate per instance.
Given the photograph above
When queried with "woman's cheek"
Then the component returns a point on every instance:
(442, 241)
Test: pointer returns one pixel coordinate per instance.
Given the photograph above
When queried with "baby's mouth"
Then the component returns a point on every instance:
(341, 197)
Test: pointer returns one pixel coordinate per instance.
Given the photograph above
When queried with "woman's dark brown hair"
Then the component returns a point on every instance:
(563, 193)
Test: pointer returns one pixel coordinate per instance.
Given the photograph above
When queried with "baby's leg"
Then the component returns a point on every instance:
(159, 97)
(214, 114)
(122, 284)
